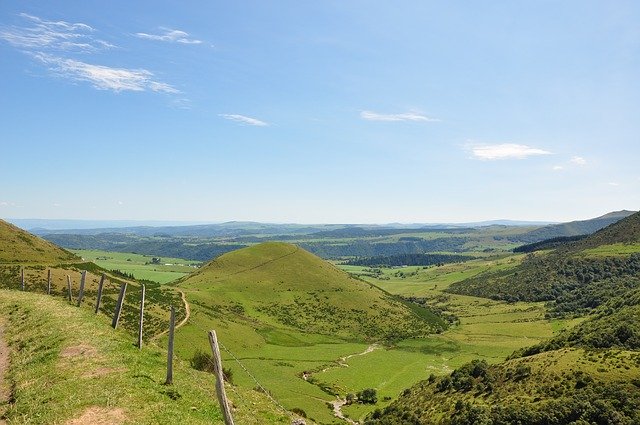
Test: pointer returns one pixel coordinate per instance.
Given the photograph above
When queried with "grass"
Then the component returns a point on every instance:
(19, 246)
(612, 250)
(66, 362)
(168, 269)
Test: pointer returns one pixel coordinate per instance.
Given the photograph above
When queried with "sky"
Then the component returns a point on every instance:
(319, 111)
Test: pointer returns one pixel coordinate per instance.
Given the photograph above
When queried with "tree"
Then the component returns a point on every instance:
(368, 396)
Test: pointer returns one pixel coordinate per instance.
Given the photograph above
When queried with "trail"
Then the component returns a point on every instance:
(5, 393)
(187, 309)
(342, 362)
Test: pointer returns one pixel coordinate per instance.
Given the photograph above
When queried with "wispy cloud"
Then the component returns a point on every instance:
(53, 35)
(614, 184)
(407, 116)
(104, 77)
(578, 160)
(558, 168)
(171, 36)
(244, 119)
(505, 151)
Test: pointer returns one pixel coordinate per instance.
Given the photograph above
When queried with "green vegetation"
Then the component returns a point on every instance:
(67, 363)
(409, 260)
(588, 373)
(163, 270)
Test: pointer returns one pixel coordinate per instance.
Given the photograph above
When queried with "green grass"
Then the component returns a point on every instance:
(139, 265)
(65, 361)
(612, 250)
(18, 246)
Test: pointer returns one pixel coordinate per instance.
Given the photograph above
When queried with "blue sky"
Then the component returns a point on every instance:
(319, 112)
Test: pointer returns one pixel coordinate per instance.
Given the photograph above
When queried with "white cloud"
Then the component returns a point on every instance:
(58, 35)
(505, 151)
(578, 160)
(558, 167)
(614, 184)
(244, 119)
(171, 36)
(104, 77)
(408, 116)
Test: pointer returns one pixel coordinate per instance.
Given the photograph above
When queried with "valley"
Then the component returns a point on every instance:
(306, 335)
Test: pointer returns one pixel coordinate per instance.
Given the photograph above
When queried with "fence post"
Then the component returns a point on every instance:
(83, 278)
(69, 287)
(99, 293)
(172, 326)
(217, 369)
(141, 318)
(49, 282)
(22, 278)
(116, 314)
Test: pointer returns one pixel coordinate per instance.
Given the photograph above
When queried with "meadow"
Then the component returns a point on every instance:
(140, 266)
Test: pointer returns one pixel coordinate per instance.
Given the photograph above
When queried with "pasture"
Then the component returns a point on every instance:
(139, 265)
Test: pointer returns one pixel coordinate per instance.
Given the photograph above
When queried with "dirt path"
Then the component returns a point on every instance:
(187, 309)
(342, 362)
(5, 392)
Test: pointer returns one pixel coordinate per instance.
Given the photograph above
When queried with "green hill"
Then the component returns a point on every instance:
(16, 245)
(283, 286)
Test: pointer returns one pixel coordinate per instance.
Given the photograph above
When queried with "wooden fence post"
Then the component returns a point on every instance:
(172, 326)
(217, 369)
(69, 287)
(141, 318)
(100, 285)
(49, 282)
(22, 278)
(83, 278)
(116, 314)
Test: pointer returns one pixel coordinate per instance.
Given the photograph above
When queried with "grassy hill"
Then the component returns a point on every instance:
(16, 245)
(280, 285)
(286, 314)
(68, 365)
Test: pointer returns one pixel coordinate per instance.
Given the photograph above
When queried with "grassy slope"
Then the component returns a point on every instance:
(282, 286)
(65, 360)
(18, 246)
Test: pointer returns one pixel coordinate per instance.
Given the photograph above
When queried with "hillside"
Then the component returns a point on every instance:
(69, 366)
(574, 279)
(16, 245)
(280, 285)
(575, 228)
(589, 373)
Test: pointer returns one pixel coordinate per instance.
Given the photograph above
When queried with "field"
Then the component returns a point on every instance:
(140, 266)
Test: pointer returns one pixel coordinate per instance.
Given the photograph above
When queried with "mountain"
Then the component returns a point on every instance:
(16, 245)
(574, 228)
(279, 285)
